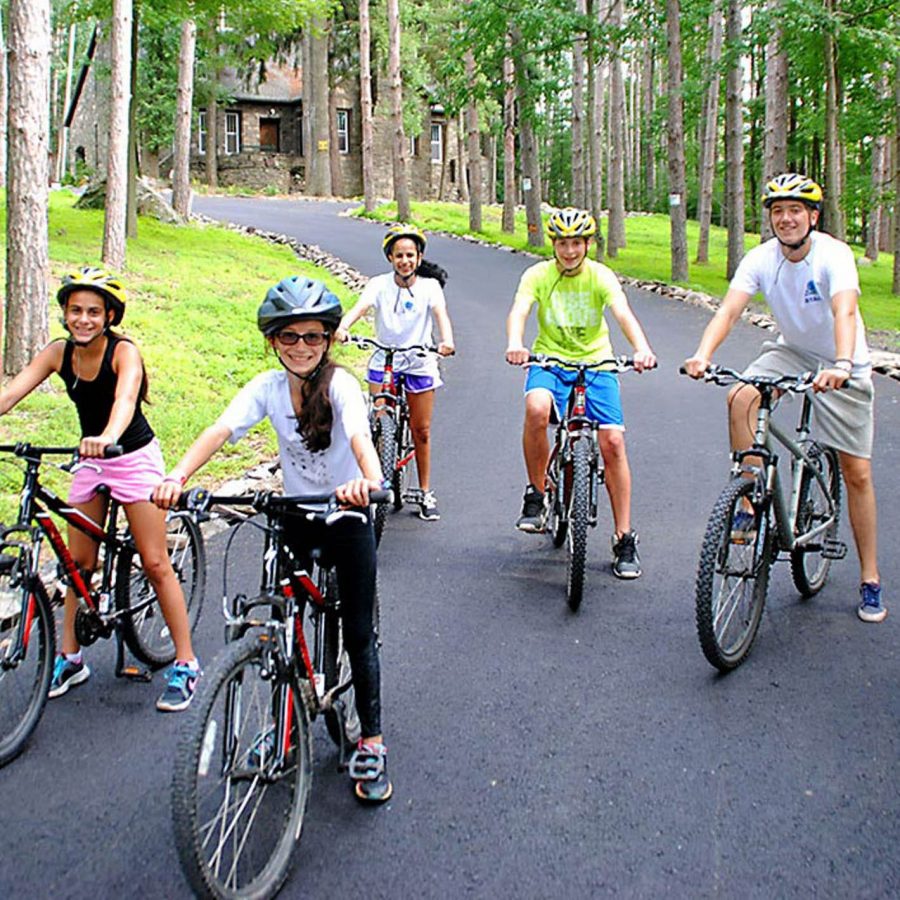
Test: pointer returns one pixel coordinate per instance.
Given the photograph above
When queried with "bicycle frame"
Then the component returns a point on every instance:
(785, 510)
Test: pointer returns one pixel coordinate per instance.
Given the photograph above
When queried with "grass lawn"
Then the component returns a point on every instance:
(192, 298)
(647, 255)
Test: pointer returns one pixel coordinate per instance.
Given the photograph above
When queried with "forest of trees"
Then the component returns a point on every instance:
(683, 107)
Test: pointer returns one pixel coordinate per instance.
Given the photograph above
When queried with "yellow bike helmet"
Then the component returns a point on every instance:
(571, 222)
(791, 186)
(100, 281)
(395, 232)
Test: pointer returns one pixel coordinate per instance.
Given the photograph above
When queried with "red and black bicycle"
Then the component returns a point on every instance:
(122, 602)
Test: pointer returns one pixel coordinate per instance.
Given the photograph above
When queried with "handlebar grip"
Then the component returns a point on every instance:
(112, 451)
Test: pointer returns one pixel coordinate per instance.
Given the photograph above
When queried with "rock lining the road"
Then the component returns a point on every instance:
(883, 361)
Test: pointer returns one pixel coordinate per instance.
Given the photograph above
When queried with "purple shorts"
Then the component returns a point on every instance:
(415, 384)
(130, 478)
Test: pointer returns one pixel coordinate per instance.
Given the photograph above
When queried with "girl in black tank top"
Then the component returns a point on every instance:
(104, 376)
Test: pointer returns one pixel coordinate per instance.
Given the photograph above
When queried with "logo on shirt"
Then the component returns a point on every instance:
(811, 294)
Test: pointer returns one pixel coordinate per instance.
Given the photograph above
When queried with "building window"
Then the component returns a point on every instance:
(343, 130)
(201, 132)
(437, 142)
(270, 135)
(413, 146)
(232, 133)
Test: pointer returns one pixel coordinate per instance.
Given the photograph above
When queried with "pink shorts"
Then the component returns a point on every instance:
(130, 477)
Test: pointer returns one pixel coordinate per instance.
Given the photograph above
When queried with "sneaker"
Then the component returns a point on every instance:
(532, 518)
(67, 674)
(180, 690)
(870, 608)
(743, 527)
(626, 562)
(368, 769)
(428, 508)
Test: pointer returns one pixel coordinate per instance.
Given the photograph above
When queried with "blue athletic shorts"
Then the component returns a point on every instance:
(604, 403)
(415, 384)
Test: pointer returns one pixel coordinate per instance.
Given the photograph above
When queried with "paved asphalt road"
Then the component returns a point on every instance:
(534, 752)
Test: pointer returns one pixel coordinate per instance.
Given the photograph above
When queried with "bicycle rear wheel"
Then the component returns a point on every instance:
(733, 576)
(344, 729)
(386, 447)
(27, 650)
(579, 514)
(401, 473)
(809, 568)
(145, 630)
(237, 810)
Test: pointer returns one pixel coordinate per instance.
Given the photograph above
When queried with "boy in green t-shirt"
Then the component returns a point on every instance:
(572, 292)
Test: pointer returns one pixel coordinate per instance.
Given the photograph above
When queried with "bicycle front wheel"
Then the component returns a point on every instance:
(243, 771)
(386, 447)
(733, 575)
(579, 515)
(404, 448)
(143, 625)
(344, 729)
(27, 649)
(809, 567)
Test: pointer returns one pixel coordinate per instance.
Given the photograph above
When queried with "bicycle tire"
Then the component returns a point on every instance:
(30, 677)
(146, 632)
(237, 817)
(337, 671)
(404, 447)
(579, 515)
(733, 577)
(557, 522)
(386, 447)
(809, 568)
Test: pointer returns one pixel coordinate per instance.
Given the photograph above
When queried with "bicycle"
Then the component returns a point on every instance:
(391, 434)
(574, 472)
(123, 603)
(736, 557)
(243, 765)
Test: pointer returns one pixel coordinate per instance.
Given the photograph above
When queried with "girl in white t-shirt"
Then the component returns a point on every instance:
(319, 415)
(407, 302)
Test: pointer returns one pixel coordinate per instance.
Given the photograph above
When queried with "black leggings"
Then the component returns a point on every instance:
(349, 545)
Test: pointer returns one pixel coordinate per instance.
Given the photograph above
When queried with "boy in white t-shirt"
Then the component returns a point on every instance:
(408, 301)
(810, 282)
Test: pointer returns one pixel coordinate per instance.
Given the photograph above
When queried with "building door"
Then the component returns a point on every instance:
(269, 135)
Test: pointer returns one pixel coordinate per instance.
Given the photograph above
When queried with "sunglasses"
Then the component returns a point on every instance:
(310, 338)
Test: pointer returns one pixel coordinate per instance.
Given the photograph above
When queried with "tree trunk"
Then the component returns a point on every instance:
(461, 180)
(4, 111)
(775, 146)
(578, 168)
(596, 111)
(365, 84)
(834, 219)
(334, 156)
(734, 142)
(492, 169)
(509, 147)
(531, 173)
(63, 132)
(880, 178)
(474, 142)
(181, 170)
(615, 229)
(131, 216)
(117, 158)
(398, 149)
(319, 178)
(212, 138)
(895, 285)
(27, 255)
(710, 125)
(675, 144)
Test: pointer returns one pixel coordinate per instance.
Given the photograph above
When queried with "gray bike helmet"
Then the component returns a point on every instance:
(294, 299)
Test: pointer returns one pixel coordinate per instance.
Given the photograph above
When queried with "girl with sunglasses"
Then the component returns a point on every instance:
(319, 415)
(407, 302)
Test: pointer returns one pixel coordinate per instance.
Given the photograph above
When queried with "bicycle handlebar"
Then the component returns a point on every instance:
(724, 376)
(34, 452)
(199, 500)
(617, 363)
(362, 341)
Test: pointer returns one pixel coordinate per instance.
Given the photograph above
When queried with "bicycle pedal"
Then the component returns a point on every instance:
(832, 549)
(135, 673)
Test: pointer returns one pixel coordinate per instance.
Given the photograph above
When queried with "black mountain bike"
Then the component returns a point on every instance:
(574, 473)
(243, 767)
(121, 602)
(753, 521)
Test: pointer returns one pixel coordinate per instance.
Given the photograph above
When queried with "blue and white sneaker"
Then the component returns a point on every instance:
(743, 527)
(870, 608)
(67, 674)
(180, 689)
